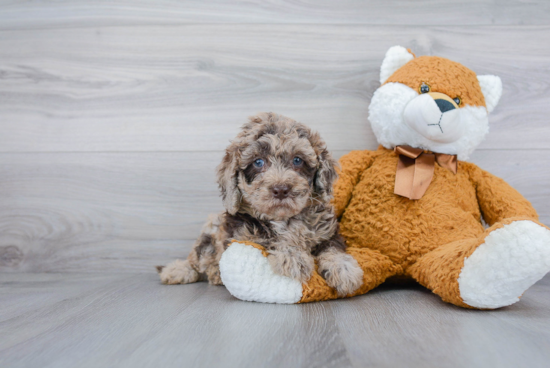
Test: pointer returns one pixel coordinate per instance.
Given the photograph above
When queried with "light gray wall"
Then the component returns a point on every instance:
(113, 115)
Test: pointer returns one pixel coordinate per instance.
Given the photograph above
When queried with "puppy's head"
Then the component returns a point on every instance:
(275, 168)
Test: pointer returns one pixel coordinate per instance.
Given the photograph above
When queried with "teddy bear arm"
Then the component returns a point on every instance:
(351, 167)
(498, 200)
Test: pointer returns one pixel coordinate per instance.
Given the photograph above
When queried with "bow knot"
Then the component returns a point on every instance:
(415, 170)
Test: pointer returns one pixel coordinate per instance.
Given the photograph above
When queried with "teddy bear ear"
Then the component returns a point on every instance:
(395, 58)
(491, 87)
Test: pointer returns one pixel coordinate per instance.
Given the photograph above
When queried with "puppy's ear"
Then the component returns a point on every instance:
(326, 166)
(325, 175)
(228, 172)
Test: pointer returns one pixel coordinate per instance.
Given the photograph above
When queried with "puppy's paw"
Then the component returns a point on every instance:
(178, 272)
(213, 274)
(341, 271)
(297, 265)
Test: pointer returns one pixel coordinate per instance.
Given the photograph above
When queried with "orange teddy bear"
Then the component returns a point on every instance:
(413, 208)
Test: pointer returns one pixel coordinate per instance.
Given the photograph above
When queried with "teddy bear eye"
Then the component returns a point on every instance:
(424, 88)
(457, 100)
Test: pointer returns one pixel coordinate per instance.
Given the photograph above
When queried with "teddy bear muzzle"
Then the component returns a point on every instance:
(435, 116)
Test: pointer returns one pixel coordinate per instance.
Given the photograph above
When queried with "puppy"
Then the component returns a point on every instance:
(276, 184)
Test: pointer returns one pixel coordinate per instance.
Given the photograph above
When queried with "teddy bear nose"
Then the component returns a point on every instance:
(444, 105)
(280, 191)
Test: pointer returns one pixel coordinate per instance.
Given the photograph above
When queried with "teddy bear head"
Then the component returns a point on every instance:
(432, 103)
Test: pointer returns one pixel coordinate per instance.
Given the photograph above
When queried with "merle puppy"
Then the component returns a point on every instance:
(276, 183)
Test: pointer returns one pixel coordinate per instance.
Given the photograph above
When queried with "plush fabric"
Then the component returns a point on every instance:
(247, 274)
(373, 216)
(442, 75)
(439, 240)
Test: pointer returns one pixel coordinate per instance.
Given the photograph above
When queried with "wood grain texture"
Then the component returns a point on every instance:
(188, 88)
(42, 14)
(56, 320)
(100, 208)
(113, 116)
(124, 212)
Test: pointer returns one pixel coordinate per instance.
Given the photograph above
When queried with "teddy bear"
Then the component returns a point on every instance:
(414, 207)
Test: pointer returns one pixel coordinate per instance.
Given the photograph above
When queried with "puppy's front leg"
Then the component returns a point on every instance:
(291, 261)
(339, 269)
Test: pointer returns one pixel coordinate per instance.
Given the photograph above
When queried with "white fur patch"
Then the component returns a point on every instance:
(510, 261)
(247, 274)
(491, 87)
(386, 117)
(395, 58)
(424, 116)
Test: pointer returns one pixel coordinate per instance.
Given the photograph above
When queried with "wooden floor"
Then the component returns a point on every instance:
(113, 116)
(129, 320)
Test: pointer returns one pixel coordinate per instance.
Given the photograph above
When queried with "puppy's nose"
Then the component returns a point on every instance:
(444, 105)
(280, 191)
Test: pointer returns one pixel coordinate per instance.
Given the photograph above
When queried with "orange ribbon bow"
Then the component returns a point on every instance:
(415, 170)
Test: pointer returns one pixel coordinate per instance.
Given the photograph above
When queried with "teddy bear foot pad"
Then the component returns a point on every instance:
(510, 261)
(247, 274)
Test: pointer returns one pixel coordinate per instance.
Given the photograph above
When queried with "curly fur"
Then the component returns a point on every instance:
(294, 229)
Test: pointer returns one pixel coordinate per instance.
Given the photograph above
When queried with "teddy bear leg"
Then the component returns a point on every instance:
(491, 271)
(376, 269)
(247, 274)
(439, 269)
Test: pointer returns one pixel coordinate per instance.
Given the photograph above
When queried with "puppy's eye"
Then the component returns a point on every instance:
(424, 88)
(259, 163)
(297, 161)
(457, 100)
